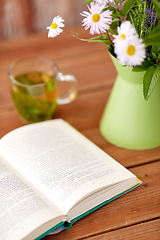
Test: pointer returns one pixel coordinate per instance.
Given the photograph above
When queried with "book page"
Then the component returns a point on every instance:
(90, 202)
(21, 209)
(61, 162)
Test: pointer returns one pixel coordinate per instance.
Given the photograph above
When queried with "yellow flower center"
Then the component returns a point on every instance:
(53, 25)
(130, 50)
(122, 36)
(95, 17)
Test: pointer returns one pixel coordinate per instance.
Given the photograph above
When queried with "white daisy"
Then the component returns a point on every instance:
(125, 31)
(55, 28)
(131, 52)
(97, 20)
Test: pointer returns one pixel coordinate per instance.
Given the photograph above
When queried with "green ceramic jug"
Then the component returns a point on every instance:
(128, 120)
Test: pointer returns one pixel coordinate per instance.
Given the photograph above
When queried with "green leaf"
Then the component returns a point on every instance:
(118, 14)
(143, 67)
(113, 31)
(111, 50)
(101, 38)
(157, 7)
(150, 80)
(156, 49)
(88, 1)
(113, 9)
(154, 37)
(127, 6)
(77, 34)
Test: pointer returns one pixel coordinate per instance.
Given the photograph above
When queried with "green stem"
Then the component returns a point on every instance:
(120, 6)
(157, 61)
(73, 35)
(109, 39)
(143, 22)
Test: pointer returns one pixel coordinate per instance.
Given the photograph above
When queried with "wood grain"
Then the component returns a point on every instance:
(16, 18)
(19, 18)
(87, 122)
(94, 86)
(72, 62)
(137, 231)
(133, 208)
(135, 215)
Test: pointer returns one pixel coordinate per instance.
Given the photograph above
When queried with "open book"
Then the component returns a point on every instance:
(51, 176)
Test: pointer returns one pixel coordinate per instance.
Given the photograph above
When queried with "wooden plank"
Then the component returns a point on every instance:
(1, 19)
(64, 45)
(88, 108)
(47, 10)
(147, 230)
(128, 158)
(92, 67)
(89, 77)
(140, 205)
(16, 18)
(90, 62)
(22, 17)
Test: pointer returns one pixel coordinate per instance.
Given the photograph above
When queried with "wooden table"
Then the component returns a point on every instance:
(135, 215)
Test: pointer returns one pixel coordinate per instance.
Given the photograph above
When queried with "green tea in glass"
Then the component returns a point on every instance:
(35, 88)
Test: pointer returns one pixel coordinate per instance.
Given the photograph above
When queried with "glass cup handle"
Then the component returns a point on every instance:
(71, 94)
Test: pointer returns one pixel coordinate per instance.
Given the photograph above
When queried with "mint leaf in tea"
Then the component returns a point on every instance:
(36, 98)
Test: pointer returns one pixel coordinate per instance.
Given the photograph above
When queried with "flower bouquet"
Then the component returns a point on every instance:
(131, 30)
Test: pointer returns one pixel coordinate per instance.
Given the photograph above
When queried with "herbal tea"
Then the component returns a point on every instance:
(37, 99)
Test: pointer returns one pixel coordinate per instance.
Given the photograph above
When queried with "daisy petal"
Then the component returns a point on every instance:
(55, 28)
(96, 19)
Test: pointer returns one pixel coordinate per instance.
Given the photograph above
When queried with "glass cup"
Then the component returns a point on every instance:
(35, 88)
